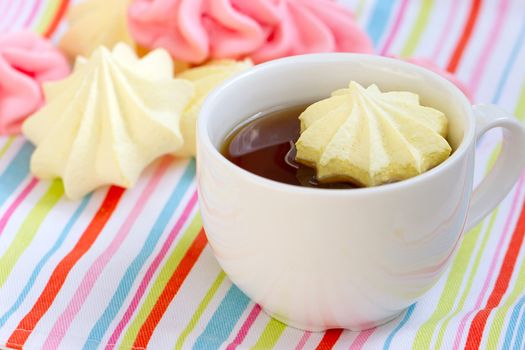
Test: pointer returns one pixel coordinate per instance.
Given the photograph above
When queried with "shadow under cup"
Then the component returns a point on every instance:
(316, 258)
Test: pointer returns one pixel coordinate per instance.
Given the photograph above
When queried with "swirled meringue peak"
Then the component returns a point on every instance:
(95, 23)
(368, 137)
(26, 61)
(204, 78)
(108, 120)
(200, 30)
(310, 26)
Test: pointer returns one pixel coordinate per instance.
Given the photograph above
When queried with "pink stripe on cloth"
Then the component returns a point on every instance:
(16, 203)
(395, 27)
(29, 21)
(303, 340)
(492, 268)
(488, 48)
(361, 339)
(445, 33)
(245, 328)
(6, 13)
(63, 322)
(17, 13)
(151, 271)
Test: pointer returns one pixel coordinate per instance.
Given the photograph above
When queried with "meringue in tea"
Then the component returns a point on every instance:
(356, 138)
(369, 138)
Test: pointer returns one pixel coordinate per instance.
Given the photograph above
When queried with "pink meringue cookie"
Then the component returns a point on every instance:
(429, 64)
(26, 61)
(199, 30)
(308, 26)
(196, 30)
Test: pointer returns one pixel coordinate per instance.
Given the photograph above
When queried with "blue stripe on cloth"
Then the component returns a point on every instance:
(509, 64)
(126, 283)
(509, 333)
(379, 19)
(15, 172)
(223, 320)
(520, 334)
(405, 319)
(62, 237)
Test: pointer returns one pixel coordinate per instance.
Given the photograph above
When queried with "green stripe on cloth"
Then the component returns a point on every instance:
(6, 146)
(452, 287)
(270, 335)
(418, 28)
(158, 286)
(29, 228)
(47, 16)
(200, 310)
(520, 109)
(466, 292)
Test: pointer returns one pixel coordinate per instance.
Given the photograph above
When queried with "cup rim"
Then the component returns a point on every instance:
(205, 114)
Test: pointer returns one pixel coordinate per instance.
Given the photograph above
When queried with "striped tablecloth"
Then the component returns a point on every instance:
(132, 269)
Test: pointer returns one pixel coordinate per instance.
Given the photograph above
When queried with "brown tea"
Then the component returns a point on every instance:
(265, 146)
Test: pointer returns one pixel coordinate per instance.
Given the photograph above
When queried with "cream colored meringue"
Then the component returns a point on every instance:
(370, 137)
(205, 79)
(108, 120)
(95, 23)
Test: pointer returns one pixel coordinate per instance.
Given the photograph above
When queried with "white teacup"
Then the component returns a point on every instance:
(318, 258)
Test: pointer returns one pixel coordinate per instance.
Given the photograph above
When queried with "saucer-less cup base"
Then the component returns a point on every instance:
(321, 328)
(319, 259)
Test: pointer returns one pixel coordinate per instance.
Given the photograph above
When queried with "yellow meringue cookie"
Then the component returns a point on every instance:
(95, 23)
(205, 79)
(108, 120)
(370, 137)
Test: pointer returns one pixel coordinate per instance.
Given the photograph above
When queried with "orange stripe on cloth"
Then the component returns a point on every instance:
(170, 290)
(59, 14)
(59, 275)
(479, 322)
(464, 39)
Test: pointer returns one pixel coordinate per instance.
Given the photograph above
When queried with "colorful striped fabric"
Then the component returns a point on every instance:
(132, 269)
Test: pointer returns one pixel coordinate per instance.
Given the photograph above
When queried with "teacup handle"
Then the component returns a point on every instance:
(508, 167)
